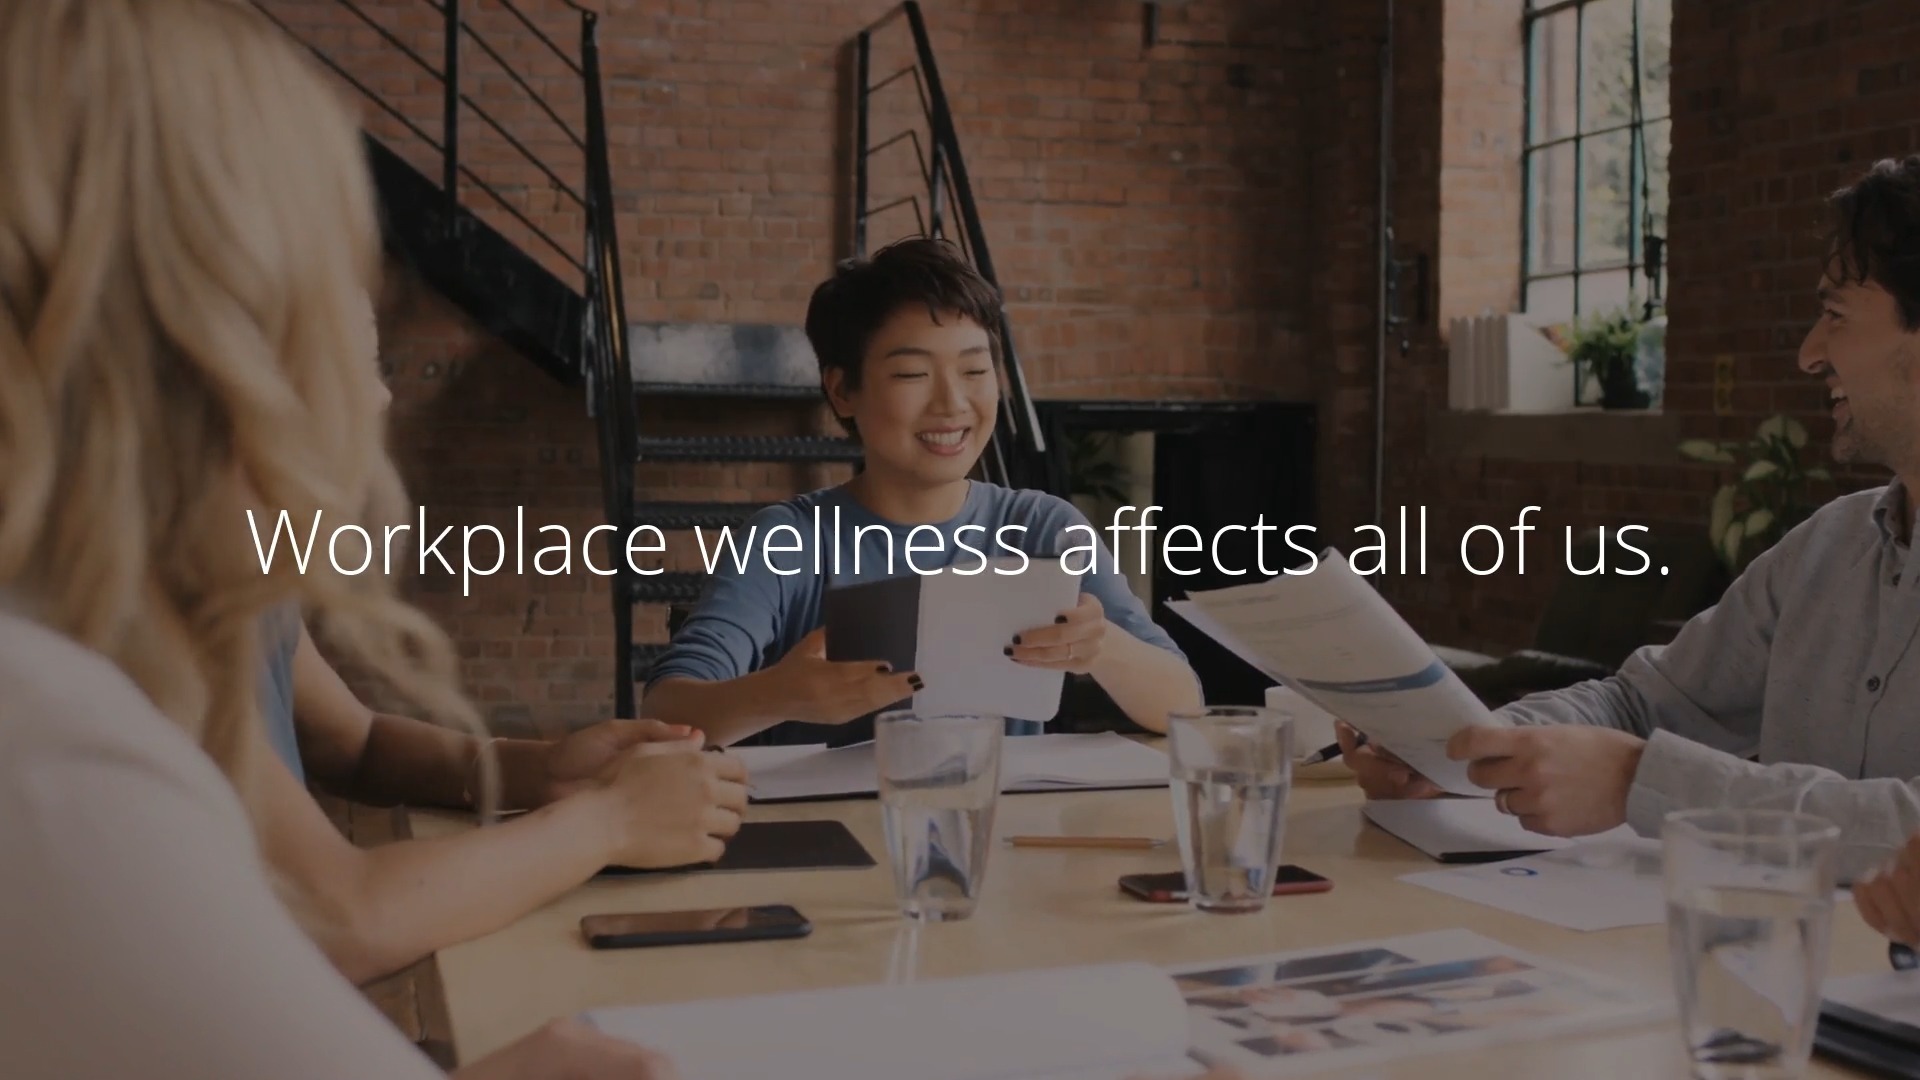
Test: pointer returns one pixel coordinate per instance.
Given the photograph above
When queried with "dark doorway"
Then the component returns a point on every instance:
(1214, 466)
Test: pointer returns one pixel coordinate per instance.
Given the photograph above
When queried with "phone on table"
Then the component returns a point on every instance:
(1171, 888)
(639, 931)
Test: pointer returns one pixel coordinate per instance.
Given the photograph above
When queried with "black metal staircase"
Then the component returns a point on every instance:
(566, 309)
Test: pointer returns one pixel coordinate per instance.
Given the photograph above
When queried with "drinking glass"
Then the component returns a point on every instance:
(939, 782)
(1232, 770)
(1749, 910)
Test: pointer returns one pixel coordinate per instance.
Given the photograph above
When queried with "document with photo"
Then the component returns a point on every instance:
(1330, 636)
(1361, 1005)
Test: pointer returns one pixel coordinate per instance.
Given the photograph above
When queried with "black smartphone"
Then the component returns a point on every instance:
(1171, 888)
(639, 931)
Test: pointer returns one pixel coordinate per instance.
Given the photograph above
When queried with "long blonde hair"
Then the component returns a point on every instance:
(188, 245)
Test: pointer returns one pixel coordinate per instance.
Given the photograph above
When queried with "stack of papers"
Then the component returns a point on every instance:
(1343, 1007)
(1029, 763)
(1466, 830)
(1599, 884)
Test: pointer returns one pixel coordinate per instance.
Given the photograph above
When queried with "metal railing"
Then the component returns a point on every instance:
(1017, 456)
(604, 360)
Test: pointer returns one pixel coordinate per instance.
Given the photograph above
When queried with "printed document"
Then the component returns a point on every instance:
(1028, 763)
(1329, 636)
(1322, 1010)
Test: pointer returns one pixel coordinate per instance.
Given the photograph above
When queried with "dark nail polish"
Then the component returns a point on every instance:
(1016, 639)
(914, 681)
(884, 668)
(1008, 650)
(1059, 619)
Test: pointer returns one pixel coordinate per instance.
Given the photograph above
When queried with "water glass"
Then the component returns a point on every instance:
(939, 781)
(1749, 910)
(1232, 770)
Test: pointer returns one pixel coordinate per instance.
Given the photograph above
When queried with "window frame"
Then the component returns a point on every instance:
(1639, 162)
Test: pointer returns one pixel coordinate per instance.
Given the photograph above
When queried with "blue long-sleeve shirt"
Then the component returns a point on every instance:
(750, 616)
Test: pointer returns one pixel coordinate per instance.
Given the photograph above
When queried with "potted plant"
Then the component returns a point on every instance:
(1607, 346)
(1770, 496)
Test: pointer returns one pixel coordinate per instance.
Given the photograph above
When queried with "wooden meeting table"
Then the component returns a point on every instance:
(1052, 907)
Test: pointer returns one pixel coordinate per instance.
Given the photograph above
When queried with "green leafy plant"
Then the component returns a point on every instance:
(1607, 344)
(1092, 468)
(1770, 496)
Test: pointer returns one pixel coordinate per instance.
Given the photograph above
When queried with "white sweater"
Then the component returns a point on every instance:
(138, 934)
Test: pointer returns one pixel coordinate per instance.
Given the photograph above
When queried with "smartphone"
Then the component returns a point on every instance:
(1171, 888)
(640, 931)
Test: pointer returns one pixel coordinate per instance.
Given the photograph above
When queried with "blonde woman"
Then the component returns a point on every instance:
(186, 244)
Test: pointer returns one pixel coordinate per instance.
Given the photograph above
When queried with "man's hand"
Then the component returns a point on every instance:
(812, 688)
(1071, 643)
(1559, 779)
(572, 764)
(1889, 898)
(672, 809)
(1381, 775)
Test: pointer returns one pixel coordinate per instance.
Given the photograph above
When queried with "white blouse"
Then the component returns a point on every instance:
(138, 934)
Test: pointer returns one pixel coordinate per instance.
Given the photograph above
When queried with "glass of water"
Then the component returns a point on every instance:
(939, 782)
(1749, 909)
(1232, 770)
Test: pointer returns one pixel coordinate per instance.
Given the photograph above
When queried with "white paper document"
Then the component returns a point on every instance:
(1094, 1021)
(1597, 884)
(1330, 636)
(1466, 830)
(953, 630)
(1889, 996)
(1028, 763)
(1318, 1010)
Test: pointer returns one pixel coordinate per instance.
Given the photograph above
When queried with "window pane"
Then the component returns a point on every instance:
(1605, 291)
(1606, 170)
(1550, 209)
(1550, 300)
(1656, 56)
(1606, 64)
(1554, 54)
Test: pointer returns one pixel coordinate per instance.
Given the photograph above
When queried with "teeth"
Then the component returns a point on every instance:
(943, 438)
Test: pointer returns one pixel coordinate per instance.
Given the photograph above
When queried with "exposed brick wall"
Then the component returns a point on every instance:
(1775, 102)
(1190, 221)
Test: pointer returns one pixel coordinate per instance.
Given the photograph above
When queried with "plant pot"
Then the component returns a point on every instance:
(1620, 388)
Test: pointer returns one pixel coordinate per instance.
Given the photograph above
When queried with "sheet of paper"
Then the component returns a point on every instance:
(1888, 995)
(1048, 762)
(1343, 1009)
(1598, 884)
(966, 623)
(1329, 635)
(1110, 1020)
(1452, 828)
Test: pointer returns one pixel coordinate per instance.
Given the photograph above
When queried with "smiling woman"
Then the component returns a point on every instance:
(910, 363)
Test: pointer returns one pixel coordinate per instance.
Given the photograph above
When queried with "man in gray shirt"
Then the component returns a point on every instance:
(1798, 690)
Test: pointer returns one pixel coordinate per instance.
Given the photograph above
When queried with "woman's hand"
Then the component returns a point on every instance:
(1071, 643)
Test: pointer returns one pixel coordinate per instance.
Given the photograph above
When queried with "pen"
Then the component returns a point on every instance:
(1330, 751)
(1119, 843)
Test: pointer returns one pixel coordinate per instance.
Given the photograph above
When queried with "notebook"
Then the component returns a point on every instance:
(778, 845)
(1029, 763)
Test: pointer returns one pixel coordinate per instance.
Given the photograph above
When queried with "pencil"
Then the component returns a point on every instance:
(1118, 843)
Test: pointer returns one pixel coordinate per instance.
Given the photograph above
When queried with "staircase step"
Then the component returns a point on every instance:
(724, 389)
(747, 448)
(644, 657)
(689, 515)
(671, 587)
